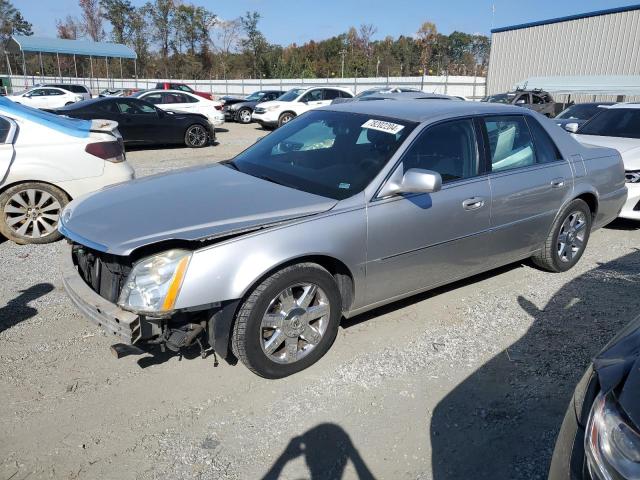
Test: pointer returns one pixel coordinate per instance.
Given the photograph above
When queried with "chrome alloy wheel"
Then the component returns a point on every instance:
(197, 136)
(571, 236)
(294, 323)
(245, 116)
(32, 213)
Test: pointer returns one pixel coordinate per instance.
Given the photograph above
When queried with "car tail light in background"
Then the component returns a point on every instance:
(109, 151)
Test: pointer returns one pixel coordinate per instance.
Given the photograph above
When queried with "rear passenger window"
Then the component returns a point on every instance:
(510, 143)
(546, 150)
(331, 94)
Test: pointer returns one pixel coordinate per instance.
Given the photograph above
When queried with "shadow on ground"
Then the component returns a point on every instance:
(327, 449)
(502, 421)
(18, 309)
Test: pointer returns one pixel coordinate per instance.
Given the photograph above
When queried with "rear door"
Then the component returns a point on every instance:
(7, 132)
(530, 181)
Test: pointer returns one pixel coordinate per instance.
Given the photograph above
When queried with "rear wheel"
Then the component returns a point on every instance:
(288, 322)
(244, 115)
(285, 118)
(30, 212)
(196, 136)
(567, 239)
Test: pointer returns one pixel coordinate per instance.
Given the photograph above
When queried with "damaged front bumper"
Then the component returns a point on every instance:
(125, 326)
(210, 327)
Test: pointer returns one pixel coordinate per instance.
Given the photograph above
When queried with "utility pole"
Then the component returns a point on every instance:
(342, 53)
(377, 67)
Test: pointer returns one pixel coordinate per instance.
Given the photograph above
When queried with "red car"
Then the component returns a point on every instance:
(184, 87)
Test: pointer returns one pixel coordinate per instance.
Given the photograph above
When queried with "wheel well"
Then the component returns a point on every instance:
(339, 271)
(592, 201)
(288, 111)
(8, 186)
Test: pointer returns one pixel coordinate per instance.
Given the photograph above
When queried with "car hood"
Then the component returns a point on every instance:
(618, 367)
(629, 148)
(273, 103)
(242, 103)
(193, 204)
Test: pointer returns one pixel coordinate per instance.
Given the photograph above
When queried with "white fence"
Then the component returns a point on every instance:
(470, 87)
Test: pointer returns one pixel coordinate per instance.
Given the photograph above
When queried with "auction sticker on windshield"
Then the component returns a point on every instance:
(388, 127)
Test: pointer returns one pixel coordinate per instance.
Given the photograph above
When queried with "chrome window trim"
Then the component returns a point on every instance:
(13, 129)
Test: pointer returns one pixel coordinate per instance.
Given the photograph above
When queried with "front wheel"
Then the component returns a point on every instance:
(196, 136)
(288, 322)
(244, 116)
(567, 239)
(30, 212)
(285, 118)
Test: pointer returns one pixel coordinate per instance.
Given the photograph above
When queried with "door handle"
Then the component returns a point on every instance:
(473, 203)
(557, 182)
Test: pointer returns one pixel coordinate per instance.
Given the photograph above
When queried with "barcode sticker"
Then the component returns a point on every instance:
(382, 126)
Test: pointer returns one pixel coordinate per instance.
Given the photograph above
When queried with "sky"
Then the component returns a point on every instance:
(297, 21)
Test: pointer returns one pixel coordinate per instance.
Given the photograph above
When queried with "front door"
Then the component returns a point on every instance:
(417, 241)
(530, 182)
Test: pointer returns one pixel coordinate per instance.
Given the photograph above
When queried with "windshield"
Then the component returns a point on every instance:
(291, 95)
(333, 154)
(614, 122)
(500, 98)
(254, 96)
(580, 111)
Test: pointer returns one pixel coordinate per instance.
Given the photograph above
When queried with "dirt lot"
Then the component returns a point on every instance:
(469, 381)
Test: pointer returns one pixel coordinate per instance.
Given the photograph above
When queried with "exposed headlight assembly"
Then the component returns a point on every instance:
(612, 443)
(154, 283)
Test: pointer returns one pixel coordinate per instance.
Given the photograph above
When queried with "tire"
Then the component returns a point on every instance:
(286, 117)
(29, 213)
(196, 136)
(573, 225)
(244, 116)
(272, 323)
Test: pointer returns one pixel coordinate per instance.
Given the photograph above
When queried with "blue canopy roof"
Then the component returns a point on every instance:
(87, 48)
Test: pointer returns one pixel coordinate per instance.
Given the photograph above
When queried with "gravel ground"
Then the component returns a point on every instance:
(468, 381)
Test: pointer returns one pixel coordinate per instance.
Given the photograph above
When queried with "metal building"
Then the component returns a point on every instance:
(605, 42)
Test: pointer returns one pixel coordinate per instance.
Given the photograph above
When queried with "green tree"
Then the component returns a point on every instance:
(160, 14)
(12, 22)
(254, 44)
(118, 14)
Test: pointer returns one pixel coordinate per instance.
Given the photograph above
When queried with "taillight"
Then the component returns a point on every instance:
(218, 107)
(109, 151)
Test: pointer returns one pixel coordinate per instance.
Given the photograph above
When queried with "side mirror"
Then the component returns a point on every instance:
(571, 127)
(520, 102)
(415, 180)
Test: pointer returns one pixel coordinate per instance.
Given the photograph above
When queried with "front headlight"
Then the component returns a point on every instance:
(154, 283)
(612, 443)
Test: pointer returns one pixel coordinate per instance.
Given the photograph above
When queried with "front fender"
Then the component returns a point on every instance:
(227, 270)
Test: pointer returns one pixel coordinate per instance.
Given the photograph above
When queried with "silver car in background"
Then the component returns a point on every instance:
(344, 209)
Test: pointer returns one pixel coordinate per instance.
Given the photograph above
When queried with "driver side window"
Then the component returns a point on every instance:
(448, 148)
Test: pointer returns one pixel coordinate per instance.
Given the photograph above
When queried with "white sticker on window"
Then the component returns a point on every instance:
(388, 127)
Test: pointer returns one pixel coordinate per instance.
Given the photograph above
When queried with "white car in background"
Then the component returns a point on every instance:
(295, 102)
(45, 161)
(179, 101)
(46, 97)
(618, 126)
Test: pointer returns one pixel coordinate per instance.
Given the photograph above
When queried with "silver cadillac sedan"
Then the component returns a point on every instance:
(344, 209)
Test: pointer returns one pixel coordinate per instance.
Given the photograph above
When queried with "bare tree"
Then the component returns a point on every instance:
(227, 35)
(367, 31)
(92, 19)
(69, 28)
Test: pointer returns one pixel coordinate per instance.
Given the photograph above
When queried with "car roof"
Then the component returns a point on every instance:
(420, 111)
(406, 96)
